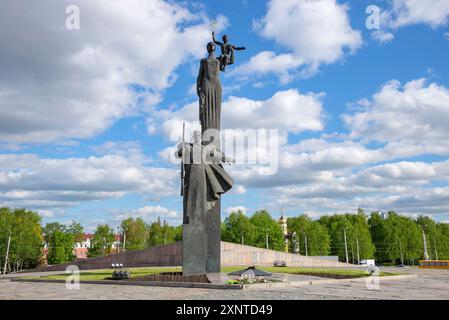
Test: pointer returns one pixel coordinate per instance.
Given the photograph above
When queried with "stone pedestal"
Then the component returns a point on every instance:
(213, 238)
(201, 241)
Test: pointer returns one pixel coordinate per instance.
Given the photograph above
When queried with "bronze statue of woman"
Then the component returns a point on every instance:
(208, 86)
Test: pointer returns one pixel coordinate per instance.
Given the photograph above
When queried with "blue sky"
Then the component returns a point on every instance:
(85, 113)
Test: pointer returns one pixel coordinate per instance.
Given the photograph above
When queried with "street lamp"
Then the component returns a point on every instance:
(295, 242)
(124, 237)
(266, 239)
(305, 244)
(118, 240)
(346, 245)
(426, 255)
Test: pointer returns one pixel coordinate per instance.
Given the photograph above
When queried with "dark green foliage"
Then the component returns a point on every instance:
(136, 233)
(26, 246)
(237, 228)
(254, 230)
(394, 235)
(162, 233)
(102, 241)
(60, 241)
(140, 235)
(318, 240)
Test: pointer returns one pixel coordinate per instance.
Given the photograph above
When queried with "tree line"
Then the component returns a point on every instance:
(135, 234)
(25, 243)
(390, 238)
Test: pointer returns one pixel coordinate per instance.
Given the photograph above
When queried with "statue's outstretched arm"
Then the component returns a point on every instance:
(219, 156)
(218, 43)
(238, 48)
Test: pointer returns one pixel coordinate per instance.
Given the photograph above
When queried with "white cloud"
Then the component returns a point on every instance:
(403, 13)
(318, 175)
(315, 33)
(129, 149)
(344, 195)
(287, 111)
(447, 35)
(148, 212)
(33, 182)
(235, 209)
(382, 36)
(60, 84)
(46, 213)
(434, 13)
(239, 189)
(408, 171)
(416, 112)
(337, 174)
(283, 65)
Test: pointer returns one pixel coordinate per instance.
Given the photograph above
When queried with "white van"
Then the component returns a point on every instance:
(368, 262)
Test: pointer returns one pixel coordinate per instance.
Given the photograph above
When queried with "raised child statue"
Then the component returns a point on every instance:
(227, 51)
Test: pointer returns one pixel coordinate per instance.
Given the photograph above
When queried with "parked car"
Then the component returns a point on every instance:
(280, 263)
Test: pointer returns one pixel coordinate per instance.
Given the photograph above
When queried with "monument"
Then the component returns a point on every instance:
(204, 179)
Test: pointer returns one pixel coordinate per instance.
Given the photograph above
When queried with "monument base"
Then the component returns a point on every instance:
(213, 238)
(201, 243)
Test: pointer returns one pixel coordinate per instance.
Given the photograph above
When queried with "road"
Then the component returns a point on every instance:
(429, 284)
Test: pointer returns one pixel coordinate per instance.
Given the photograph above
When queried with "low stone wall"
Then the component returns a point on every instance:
(238, 255)
(171, 255)
(160, 256)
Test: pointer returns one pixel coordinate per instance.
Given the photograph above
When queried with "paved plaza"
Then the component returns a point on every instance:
(429, 284)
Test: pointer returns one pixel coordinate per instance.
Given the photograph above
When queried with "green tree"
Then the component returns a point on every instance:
(433, 235)
(318, 240)
(171, 234)
(263, 224)
(160, 233)
(177, 233)
(61, 240)
(76, 230)
(336, 226)
(442, 242)
(394, 236)
(360, 240)
(411, 236)
(26, 246)
(356, 228)
(156, 236)
(136, 233)
(102, 241)
(237, 227)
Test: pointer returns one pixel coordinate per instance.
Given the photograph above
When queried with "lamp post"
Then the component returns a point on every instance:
(124, 237)
(305, 244)
(118, 240)
(266, 239)
(426, 255)
(435, 244)
(346, 245)
(7, 253)
(295, 242)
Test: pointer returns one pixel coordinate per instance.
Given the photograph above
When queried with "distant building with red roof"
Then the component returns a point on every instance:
(81, 249)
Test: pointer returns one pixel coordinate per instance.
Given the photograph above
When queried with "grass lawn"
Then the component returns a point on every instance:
(107, 273)
(323, 272)
(135, 272)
